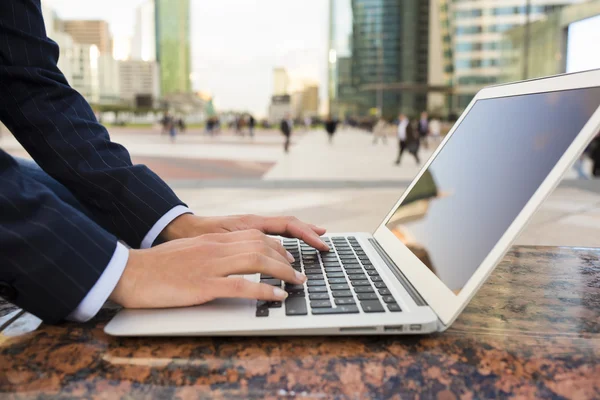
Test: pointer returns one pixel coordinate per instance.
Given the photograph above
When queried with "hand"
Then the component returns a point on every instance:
(193, 271)
(189, 225)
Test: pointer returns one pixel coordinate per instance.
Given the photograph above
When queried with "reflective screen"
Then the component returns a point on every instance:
(484, 176)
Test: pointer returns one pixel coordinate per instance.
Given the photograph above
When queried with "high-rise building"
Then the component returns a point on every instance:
(173, 45)
(478, 27)
(387, 43)
(558, 44)
(90, 32)
(281, 82)
(143, 46)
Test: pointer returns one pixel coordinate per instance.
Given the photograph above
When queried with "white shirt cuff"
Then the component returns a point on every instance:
(95, 299)
(162, 223)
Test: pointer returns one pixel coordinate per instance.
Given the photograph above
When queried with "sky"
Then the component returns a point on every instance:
(236, 43)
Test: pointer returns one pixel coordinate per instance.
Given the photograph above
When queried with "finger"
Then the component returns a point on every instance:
(292, 227)
(318, 230)
(236, 287)
(250, 235)
(257, 263)
(255, 246)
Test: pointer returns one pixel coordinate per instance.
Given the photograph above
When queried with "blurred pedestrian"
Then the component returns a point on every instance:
(331, 127)
(181, 125)
(435, 131)
(423, 128)
(307, 123)
(379, 131)
(408, 139)
(168, 126)
(251, 125)
(286, 127)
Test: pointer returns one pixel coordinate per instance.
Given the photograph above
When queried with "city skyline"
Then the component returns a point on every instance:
(247, 39)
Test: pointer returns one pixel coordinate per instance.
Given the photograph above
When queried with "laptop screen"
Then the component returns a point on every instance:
(484, 176)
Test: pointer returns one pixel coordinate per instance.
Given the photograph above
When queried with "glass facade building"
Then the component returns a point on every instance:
(478, 28)
(378, 56)
(173, 45)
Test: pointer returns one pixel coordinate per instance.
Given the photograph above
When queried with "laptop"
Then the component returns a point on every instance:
(437, 245)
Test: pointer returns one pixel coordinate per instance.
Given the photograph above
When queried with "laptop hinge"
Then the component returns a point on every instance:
(399, 275)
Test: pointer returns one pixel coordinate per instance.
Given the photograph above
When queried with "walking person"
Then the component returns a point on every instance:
(286, 128)
(251, 125)
(408, 139)
(330, 127)
(423, 129)
(379, 131)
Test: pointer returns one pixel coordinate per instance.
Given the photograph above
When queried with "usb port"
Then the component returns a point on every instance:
(415, 327)
(397, 328)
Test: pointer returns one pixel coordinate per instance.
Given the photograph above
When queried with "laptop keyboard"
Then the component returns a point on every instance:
(343, 281)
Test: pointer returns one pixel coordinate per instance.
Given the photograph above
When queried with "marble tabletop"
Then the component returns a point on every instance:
(533, 330)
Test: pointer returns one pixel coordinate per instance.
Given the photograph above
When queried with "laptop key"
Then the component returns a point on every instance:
(380, 285)
(315, 277)
(360, 283)
(384, 292)
(337, 281)
(394, 307)
(335, 275)
(364, 289)
(332, 269)
(320, 304)
(262, 312)
(367, 296)
(357, 277)
(372, 273)
(296, 293)
(369, 267)
(342, 293)
(376, 278)
(344, 301)
(340, 287)
(318, 296)
(317, 289)
(349, 309)
(274, 304)
(315, 283)
(295, 306)
(372, 306)
(388, 299)
(290, 287)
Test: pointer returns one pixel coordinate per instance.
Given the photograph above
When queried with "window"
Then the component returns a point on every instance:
(468, 30)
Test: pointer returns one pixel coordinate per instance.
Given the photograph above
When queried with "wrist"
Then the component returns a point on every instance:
(126, 285)
(184, 226)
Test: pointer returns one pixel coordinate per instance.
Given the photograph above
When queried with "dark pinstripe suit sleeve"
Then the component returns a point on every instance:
(49, 252)
(58, 128)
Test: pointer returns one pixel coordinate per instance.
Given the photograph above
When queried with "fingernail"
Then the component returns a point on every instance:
(290, 257)
(280, 294)
(300, 277)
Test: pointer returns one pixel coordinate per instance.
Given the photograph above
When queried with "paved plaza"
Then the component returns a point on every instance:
(347, 186)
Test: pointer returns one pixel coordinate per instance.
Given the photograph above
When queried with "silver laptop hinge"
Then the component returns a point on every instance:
(399, 275)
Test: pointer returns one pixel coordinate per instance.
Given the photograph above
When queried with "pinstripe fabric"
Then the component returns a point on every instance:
(49, 252)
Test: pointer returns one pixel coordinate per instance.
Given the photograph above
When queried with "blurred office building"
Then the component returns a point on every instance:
(380, 59)
(281, 81)
(305, 102)
(173, 54)
(476, 31)
(139, 83)
(90, 32)
(564, 41)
